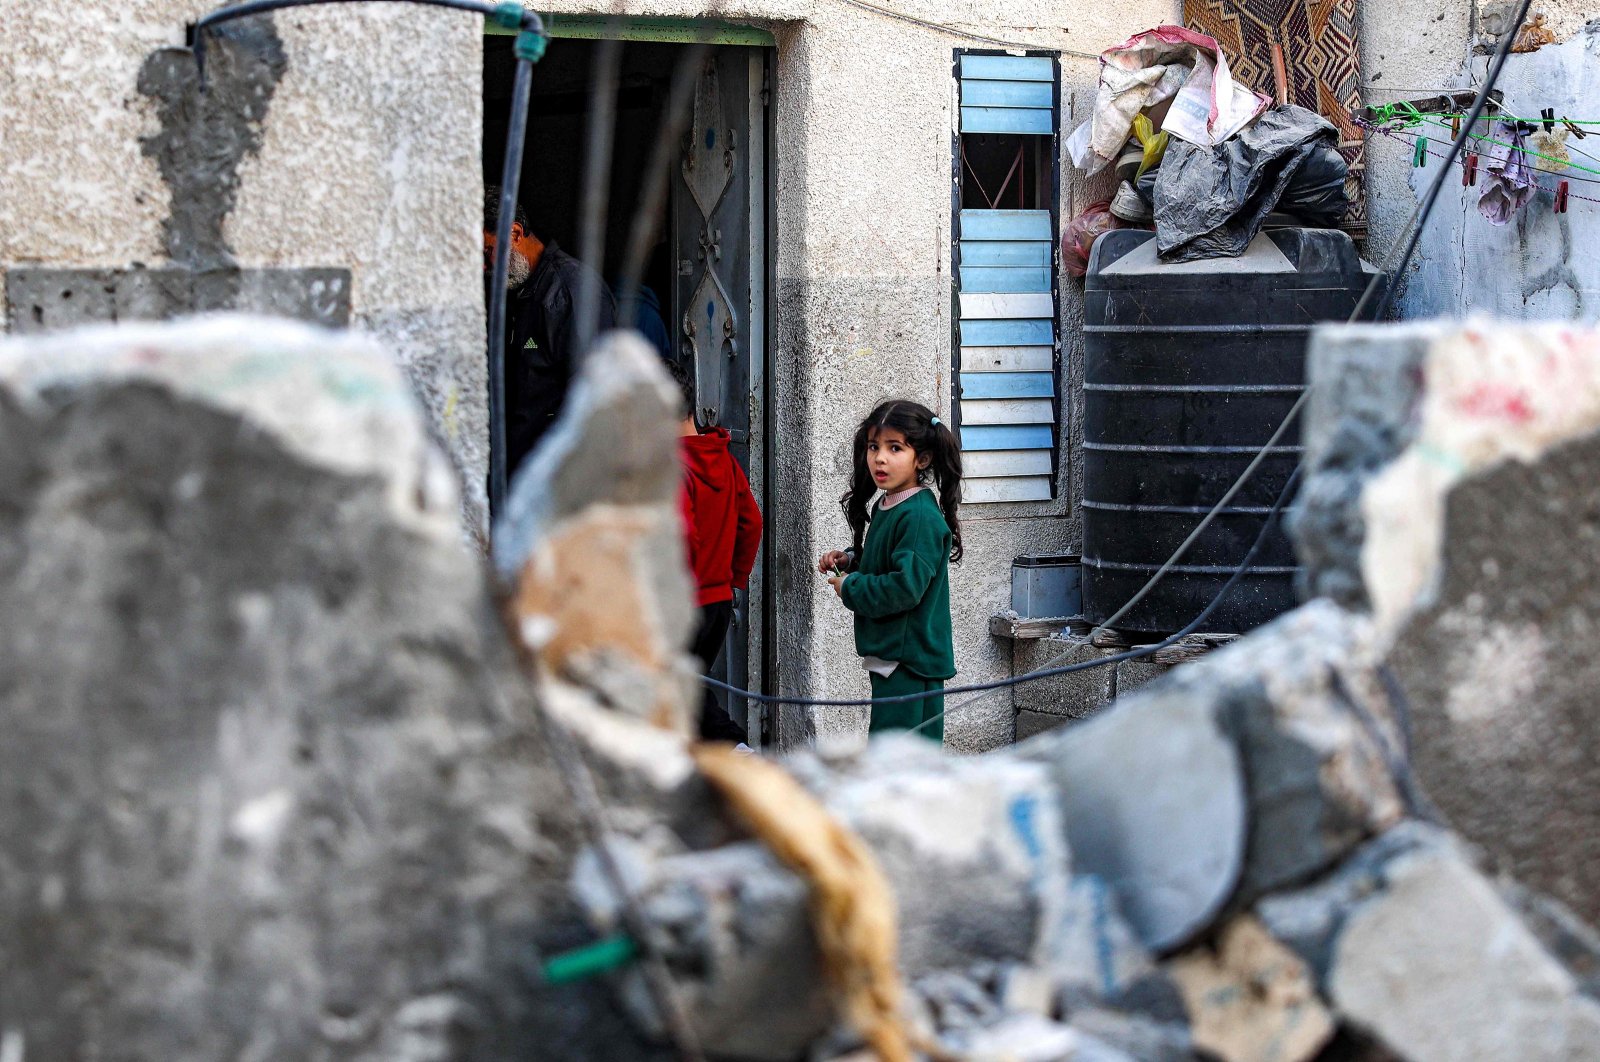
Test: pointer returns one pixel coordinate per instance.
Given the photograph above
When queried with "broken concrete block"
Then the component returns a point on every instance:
(733, 927)
(272, 784)
(973, 847)
(1267, 724)
(1318, 780)
(1094, 956)
(1251, 999)
(1464, 503)
(1167, 838)
(1493, 394)
(1076, 695)
(1416, 947)
(1029, 1038)
(593, 541)
(1138, 1037)
(1364, 385)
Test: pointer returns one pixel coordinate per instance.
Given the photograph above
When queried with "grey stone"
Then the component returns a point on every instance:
(1076, 695)
(1301, 698)
(273, 782)
(1438, 966)
(1573, 942)
(1365, 382)
(1500, 671)
(1030, 1038)
(1168, 838)
(734, 927)
(973, 847)
(1095, 958)
(1415, 946)
(1134, 1035)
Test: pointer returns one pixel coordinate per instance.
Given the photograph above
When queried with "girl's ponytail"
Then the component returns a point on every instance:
(945, 464)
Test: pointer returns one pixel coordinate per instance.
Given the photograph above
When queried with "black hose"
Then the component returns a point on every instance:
(510, 178)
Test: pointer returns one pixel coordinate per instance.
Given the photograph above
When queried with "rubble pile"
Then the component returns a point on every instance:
(289, 776)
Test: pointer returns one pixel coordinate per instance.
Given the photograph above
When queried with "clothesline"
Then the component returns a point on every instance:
(1402, 137)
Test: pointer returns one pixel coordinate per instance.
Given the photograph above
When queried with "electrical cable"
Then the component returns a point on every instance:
(901, 16)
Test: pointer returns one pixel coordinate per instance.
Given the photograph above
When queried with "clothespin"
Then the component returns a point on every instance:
(1455, 127)
(1573, 128)
(1561, 198)
(1419, 157)
(1548, 116)
(1469, 169)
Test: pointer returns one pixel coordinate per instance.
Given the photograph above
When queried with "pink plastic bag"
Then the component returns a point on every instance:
(1082, 231)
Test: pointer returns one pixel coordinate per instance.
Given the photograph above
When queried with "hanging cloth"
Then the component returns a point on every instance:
(1510, 181)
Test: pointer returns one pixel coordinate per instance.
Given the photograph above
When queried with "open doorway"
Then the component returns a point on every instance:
(710, 272)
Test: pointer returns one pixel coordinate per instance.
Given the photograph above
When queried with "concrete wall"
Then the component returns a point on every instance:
(1542, 265)
(365, 155)
(360, 151)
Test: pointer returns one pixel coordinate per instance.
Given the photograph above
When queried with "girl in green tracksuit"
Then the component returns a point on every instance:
(895, 577)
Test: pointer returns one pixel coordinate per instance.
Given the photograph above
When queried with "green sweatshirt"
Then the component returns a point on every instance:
(900, 588)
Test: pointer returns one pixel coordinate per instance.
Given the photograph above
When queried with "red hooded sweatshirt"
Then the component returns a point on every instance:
(720, 517)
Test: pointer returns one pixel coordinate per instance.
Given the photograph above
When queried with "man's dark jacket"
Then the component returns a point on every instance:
(542, 346)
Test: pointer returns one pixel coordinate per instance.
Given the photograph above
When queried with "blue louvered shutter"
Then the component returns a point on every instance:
(1006, 301)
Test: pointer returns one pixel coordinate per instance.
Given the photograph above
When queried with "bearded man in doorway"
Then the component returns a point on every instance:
(541, 326)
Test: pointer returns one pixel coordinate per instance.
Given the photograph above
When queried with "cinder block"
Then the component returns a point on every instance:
(1031, 723)
(1131, 674)
(1075, 695)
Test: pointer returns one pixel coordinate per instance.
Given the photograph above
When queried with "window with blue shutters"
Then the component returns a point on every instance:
(1006, 193)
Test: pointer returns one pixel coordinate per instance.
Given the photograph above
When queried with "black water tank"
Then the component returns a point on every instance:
(1189, 368)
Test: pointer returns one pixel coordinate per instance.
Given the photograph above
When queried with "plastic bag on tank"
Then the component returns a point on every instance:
(1211, 201)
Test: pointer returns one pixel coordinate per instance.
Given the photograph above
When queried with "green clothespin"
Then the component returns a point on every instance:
(591, 960)
(1419, 157)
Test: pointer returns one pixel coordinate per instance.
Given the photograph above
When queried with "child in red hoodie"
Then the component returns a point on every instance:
(722, 527)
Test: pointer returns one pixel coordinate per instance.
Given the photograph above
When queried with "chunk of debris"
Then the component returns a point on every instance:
(272, 782)
(1251, 999)
(1475, 503)
(1415, 946)
(593, 541)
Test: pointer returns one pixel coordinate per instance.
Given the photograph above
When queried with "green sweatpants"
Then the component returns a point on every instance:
(904, 715)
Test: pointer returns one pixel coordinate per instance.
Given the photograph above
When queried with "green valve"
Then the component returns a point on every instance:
(530, 46)
(591, 960)
(508, 15)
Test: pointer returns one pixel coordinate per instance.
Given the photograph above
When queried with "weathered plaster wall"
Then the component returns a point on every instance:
(368, 159)
(362, 152)
(1542, 265)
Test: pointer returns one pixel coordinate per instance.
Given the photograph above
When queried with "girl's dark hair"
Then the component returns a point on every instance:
(925, 434)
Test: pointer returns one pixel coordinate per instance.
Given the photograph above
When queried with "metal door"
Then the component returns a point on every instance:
(719, 290)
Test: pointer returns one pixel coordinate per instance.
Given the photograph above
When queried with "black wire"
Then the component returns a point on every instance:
(1035, 676)
(1500, 54)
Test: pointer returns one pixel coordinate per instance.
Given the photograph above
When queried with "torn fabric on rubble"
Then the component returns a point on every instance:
(1211, 201)
(1510, 181)
(1166, 63)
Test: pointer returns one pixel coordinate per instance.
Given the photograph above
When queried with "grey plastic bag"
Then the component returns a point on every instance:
(1211, 202)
